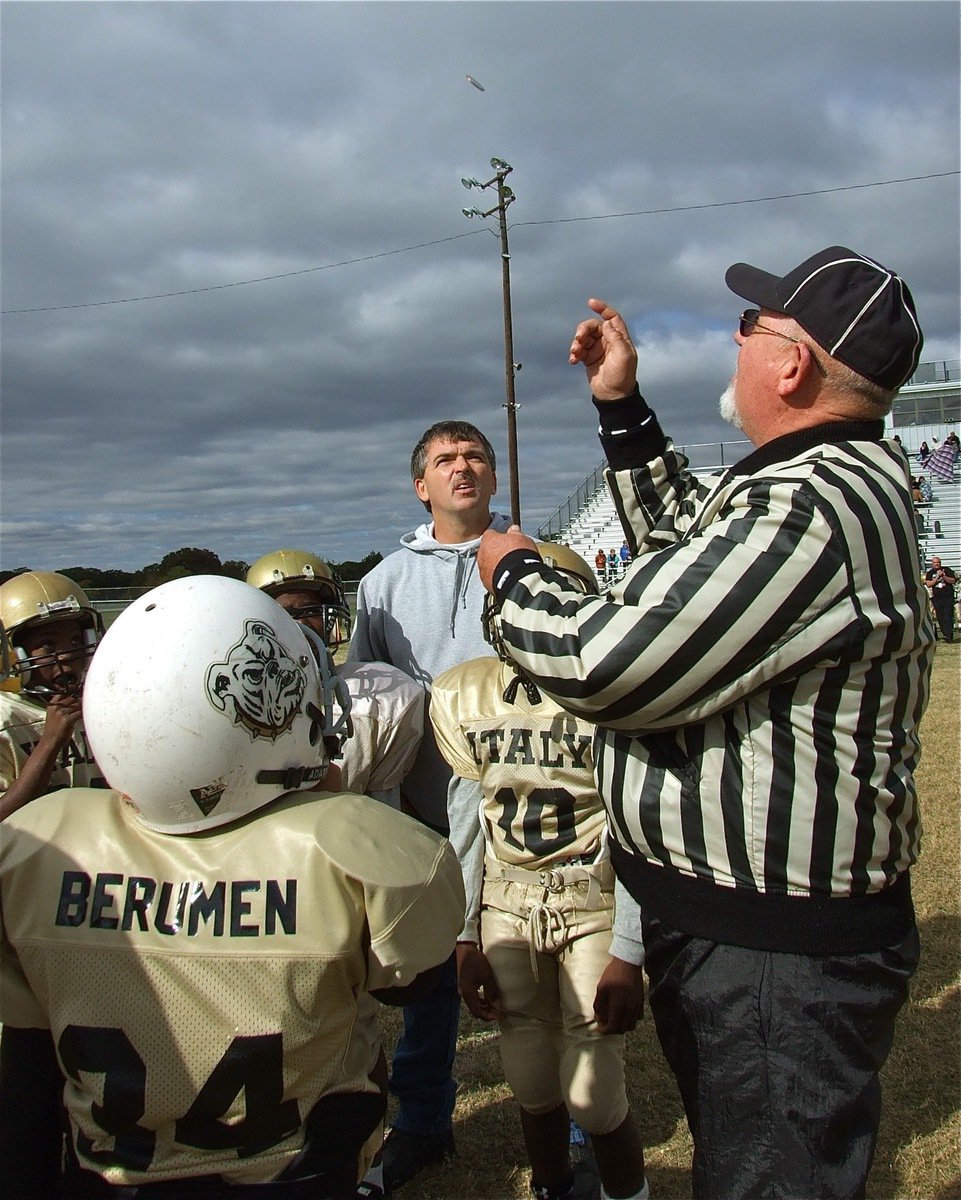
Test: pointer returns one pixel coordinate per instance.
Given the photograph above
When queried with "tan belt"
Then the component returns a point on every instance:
(545, 922)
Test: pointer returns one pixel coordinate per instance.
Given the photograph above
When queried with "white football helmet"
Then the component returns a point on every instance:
(205, 701)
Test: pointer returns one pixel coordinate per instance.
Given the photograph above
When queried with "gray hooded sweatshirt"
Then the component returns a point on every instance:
(420, 610)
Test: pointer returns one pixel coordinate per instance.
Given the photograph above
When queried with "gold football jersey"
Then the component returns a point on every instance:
(534, 763)
(205, 991)
(387, 715)
(21, 724)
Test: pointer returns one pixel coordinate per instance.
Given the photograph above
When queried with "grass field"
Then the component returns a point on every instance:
(918, 1150)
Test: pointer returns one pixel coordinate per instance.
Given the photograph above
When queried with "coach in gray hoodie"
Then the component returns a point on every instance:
(420, 610)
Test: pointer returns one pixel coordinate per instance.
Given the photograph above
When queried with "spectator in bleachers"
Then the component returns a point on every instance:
(941, 463)
(625, 556)
(924, 487)
(924, 453)
(600, 565)
(612, 561)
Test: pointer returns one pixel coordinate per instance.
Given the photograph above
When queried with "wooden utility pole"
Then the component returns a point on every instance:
(505, 197)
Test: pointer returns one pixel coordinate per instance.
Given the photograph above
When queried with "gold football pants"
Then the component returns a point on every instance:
(547, 937)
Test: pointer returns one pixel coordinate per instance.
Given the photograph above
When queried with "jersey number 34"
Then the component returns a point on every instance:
(252, 1065)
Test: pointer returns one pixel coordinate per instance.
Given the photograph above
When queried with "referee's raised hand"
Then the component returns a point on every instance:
(604, 346)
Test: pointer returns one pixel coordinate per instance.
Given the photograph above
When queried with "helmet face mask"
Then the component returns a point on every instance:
(49, 631)
(336, 726)
(205, 701)
(301, 573)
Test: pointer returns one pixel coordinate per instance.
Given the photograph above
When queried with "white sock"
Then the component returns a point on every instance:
(643, 1194)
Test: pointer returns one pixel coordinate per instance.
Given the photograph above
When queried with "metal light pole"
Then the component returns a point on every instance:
(505, 197)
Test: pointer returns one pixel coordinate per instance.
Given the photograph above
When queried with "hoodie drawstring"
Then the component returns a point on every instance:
(466, 565)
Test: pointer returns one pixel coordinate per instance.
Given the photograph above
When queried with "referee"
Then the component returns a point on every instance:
(758, 678)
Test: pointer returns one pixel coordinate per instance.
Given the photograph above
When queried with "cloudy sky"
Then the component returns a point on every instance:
(180, 150)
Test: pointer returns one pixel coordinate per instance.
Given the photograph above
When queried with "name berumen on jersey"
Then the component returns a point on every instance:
(110, 900)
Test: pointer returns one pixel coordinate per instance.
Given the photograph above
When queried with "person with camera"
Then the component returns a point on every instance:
(940, 582)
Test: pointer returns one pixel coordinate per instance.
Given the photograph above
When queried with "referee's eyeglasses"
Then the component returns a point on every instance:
(749, 322)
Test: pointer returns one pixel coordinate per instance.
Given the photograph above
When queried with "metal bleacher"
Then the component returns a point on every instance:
(596, 525)
(927, 408)
(939, 524)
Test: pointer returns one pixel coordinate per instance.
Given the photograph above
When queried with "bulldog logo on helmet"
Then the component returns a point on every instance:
(260, 685)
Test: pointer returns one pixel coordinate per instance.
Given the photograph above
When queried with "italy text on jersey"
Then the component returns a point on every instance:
(528, 747)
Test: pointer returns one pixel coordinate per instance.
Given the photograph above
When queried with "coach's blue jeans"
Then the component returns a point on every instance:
(421, 1074)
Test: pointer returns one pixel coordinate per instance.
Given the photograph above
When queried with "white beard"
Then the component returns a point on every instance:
(728, 407)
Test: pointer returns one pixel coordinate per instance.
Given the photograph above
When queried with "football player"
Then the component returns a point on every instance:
(48, 633)
(191, 959)
(386, 706)
(540, 952)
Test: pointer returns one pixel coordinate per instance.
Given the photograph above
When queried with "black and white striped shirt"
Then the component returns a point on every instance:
(757, 680)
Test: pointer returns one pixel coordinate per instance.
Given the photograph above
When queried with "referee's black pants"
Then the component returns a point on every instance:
(777, 1059)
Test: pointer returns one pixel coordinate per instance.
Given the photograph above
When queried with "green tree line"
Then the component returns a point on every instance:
(188, 560)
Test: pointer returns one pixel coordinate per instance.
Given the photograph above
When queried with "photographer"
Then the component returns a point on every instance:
(940, 581)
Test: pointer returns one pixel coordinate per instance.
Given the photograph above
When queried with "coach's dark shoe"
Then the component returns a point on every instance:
(367, 1190)
(587, 1178)
(407, 1154)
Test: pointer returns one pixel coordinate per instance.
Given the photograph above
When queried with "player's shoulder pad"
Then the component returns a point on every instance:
(52, 819)
(476, 672)
(371, 683)
(372, 842)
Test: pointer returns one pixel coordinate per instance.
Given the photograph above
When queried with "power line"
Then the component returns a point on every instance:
(219, 287)
(646, 212)
(348, 262)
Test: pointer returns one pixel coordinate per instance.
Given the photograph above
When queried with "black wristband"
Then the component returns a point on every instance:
(511, 567)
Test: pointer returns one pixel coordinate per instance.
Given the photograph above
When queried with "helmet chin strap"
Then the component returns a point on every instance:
(71, 685)
(529, 686)
(292, 778)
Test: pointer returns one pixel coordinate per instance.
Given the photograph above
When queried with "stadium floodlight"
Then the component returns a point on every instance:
(471, 183)
(499, 165)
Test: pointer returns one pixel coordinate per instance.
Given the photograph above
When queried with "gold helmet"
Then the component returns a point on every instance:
(31, 599)
(301, 571)
(561, 558)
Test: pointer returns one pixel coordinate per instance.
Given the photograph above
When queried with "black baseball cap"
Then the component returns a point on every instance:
(860, 312)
